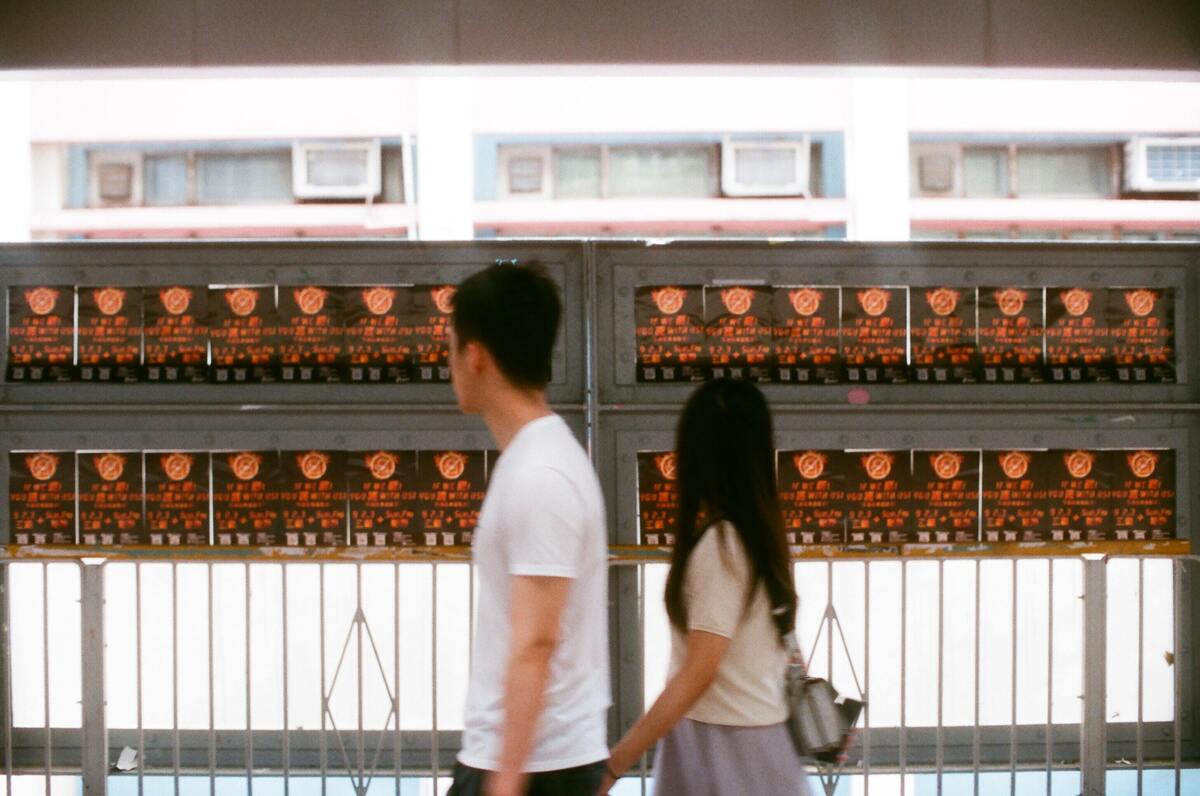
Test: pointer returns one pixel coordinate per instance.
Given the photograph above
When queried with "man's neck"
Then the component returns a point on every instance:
(510, 410)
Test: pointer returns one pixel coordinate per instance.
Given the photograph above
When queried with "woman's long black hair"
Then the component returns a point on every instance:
(725, 470)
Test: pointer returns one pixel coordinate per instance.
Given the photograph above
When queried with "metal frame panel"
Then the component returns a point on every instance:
(626, 433)
(593, 387)
(624, 267)
(287, 263)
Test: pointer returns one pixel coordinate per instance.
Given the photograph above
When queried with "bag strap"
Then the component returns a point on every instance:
(792, 647)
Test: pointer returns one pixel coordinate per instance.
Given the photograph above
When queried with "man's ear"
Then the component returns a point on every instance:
(477, 357)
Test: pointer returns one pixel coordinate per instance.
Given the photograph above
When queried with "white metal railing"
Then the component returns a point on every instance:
(975, 671)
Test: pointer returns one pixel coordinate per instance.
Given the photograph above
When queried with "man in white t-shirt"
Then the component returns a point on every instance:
(539, 690)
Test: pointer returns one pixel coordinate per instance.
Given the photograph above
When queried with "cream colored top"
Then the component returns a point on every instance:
(748, 690)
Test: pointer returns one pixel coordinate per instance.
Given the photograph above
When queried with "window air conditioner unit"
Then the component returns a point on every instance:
(336, 169)
(1162, 164)
(114, 179)
(936, 170)
(525, 172)
(765, 168)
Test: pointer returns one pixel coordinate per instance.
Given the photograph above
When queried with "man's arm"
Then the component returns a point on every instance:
(537, 606)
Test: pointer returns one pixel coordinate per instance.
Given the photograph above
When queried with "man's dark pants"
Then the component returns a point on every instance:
(578, 781)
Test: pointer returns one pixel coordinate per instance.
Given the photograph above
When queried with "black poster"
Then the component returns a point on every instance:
(943, 331)
(110, 498)
(1141, 329)
(658, 498)
(879, 497)
(738, 330)
(383, 497)
(874, 334)
(176, 333)
(427, 312)
(1080, 495)
(110, 334)
(41, 497)
(41, 333)
(807, 335)
(310, 333)
(314, 498)
(450, 491)
(946, 496)
(247, 498)
(670, 333)
(1143, 494)
(812, 496)
(380, 337)
(177, 497)
(1077, 340)
(242, 330)
(1011, 335)
(1015, 505)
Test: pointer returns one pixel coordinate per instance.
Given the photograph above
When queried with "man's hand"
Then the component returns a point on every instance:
(503, 783)
(606, 785)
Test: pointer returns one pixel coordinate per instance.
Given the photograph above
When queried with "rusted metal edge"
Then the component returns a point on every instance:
(616, 553)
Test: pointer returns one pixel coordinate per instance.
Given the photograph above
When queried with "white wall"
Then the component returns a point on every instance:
(877, 110)
(673, 103)
(1053, 106)
(16, 170)
(200, 108)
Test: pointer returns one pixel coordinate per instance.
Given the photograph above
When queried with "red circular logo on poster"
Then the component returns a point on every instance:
(245, 465)
(310, 300)
(443, 297)
(1015, 464)
(810, 464)
(41, 300)
(878, 465)
(382, 465)
(738, 300)
(1141, 302)
(42, 466)
(667, 465)
(175, 300)
(1011, 301)
(451, 465)
(874, 301)
(805, 301)
(177, 466)
(378, 300)
(1142, 463)
(1077, 300)
(242, 301)
(946, 464)
(110, 466)
(1079, 463)
(669, 300)
(942, 301)
(313, 464)
(109, 300)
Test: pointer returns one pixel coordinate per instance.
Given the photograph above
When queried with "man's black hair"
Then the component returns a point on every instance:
(513, 311)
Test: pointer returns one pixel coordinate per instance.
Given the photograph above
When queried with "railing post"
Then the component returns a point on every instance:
(94, 755)
(1092, 729)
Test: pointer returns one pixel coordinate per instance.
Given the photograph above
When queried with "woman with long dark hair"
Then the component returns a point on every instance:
(731, 601)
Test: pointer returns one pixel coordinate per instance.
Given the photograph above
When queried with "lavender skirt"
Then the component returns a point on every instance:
(698, 759)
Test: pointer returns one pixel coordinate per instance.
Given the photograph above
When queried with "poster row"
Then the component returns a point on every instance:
(230, 334)
(252, 497)
(835, 497)
(912, 334)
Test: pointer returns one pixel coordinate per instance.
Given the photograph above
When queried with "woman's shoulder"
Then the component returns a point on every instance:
(720, 540)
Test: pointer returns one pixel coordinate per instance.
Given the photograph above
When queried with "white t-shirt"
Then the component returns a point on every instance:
(748, 690)
(543, 516)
